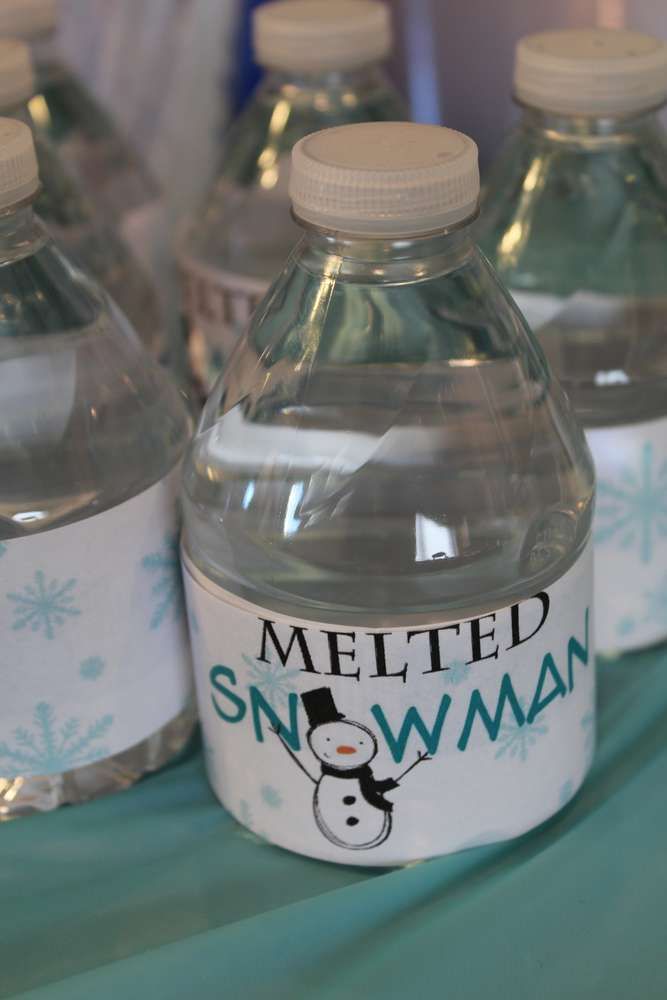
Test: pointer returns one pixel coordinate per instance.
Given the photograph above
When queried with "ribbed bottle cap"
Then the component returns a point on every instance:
(310, 36)
(591, 71)
(17, 79)
(385, 178)
(19, 176)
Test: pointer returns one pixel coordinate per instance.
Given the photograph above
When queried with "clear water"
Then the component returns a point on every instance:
(245, 227)
(386, 443)
(577, 210)
(87, 421)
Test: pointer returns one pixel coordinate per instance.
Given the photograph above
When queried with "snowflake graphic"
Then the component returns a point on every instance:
(634, 509)
(457, 672)
(247, 830)
(3, 549)
(588, 726)
(271, 796)
(168, 587)
(50, 748)
(92, 668)
(42, 605)
(515, 740)
(272, 680)
(626, 626)
(656, 604)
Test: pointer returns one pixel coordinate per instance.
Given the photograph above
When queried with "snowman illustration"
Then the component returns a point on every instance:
(348, 803)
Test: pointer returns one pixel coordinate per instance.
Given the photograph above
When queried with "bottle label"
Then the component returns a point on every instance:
(380, 746)
(219, 305)
(630, 532)
(94, 644)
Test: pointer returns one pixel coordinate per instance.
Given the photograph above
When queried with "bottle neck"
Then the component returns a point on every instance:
(589, 130)
(382, 260)
(316, 88)
(20, 232)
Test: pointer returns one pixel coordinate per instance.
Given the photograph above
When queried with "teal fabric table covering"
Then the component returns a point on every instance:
(158, 893)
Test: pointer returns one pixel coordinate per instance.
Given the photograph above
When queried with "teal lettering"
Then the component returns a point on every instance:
(540, 701)
(574, 648)
(413, 720)
(260, 706)
(477, 707)
(215, 674)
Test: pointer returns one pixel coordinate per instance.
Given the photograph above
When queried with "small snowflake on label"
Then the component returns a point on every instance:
(588, 726)
(49, 748)
(626, 626)
(273, 680)
(565, 794)
(43, 606)
(92, 668)
(3, 549)
(517, 740)
(632, 509)
(456, 672)
(167, 589)
(247, 828)
(656, 604)
(271, 796)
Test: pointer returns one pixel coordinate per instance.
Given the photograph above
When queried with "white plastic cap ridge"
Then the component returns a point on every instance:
(591, 71)
(385, 179)
(17, 78)
(28, 19)
(311, 36)
(19, 175)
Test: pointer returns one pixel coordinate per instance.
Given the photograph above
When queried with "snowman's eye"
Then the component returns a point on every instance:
(328, 739)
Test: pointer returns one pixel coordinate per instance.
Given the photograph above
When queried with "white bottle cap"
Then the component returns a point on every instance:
(17, 79)
(19, 176)
(311, 36)
(385, 178)
(591, 71)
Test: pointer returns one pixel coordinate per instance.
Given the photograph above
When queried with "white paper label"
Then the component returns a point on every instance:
(380, 746)
(630, 532)
(94, 645)
(219, 306)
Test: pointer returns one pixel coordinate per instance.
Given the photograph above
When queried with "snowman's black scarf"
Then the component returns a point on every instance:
(370, 788)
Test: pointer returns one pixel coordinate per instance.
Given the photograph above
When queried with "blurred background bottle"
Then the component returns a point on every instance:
(96, 687)
(323, 69)
(386, 446)
(575, 219)
(84, 233)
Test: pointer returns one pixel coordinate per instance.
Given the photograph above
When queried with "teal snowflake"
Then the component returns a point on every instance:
(49, 748)
(168, 586)
(588, 726)
(656, 604)
(271, 796)
(565, 794)
(515, 740)
(247, 830)
(626, 626)
(43, 606)
(92, 668)
(633, 509)
(457, 672)
(273, 680)
(3, 549)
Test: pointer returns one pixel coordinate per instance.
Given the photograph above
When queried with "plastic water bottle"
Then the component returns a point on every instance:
(387, 510)
(96, 686)
(84, 234)
(575, 219)
(322, 63)
(109, 169)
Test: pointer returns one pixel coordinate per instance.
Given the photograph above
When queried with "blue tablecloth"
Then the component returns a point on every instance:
(158, 893)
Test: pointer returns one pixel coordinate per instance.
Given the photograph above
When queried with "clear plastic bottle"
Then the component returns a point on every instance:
(387, 510)
(574, 219)
(84, 234)
(96, 685)
(323, 69)
(108, 168)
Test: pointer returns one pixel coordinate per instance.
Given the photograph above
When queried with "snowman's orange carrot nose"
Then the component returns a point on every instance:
(345, 749)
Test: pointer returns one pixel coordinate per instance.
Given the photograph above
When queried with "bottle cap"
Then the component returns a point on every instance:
(385, 178)
(17, 79)
(591, 71)
(311, 36)
(19, 176)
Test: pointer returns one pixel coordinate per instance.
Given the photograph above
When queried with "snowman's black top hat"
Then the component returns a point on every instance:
(320, 707)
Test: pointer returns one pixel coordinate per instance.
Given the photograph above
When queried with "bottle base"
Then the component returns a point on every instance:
(21, 796)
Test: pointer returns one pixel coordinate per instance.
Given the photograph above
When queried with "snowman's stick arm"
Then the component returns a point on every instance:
(420, 758)
(294, 757)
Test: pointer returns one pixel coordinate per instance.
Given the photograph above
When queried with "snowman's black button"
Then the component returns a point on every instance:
(352, 821)
(349, 800)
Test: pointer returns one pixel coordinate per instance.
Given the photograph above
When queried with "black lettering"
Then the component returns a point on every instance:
(298, 636)
(543, 598)
(476, 636)
(381, 657)
(434, 645)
